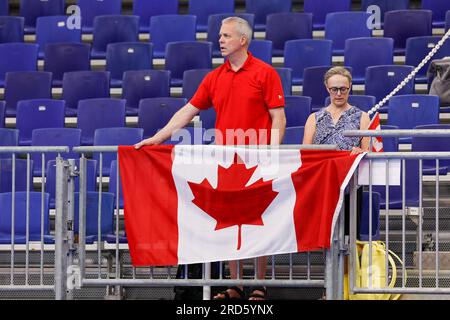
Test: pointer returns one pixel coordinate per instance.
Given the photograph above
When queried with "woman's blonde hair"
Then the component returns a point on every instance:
(337, 71)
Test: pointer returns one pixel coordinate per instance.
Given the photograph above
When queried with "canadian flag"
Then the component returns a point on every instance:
(377, 142)
(191, 204)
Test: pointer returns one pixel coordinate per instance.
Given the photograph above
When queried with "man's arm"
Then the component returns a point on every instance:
(180, 119)
(278, 125)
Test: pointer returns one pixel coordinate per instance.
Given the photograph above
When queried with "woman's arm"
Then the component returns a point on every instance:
(310, 129)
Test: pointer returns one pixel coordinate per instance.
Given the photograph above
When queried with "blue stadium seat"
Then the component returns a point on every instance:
(439, 8)
(38, 217)
(390, 144)
(154, 113)
(24, 85)
(208, 118)
(92, 219)
(202, 9)
(191, 81)
(262, 8)
(215, 23)
(434, 144)
(17, 57)
(60, 58)
(32, 9)
(293, 135)
(297, 110)
(285, 26)
(364, 223)
(11, 29)
(409, 111)
(21, 179)
(141, 84)
(182, 56)
(320, 9)
(8, 137)
(418, 47)
(286, 79)
(50, 181)
(403, 24)
(340, 26)
(89, 9)
(120, 136)
(99, 113)
(79, 85)
(381, 80)
(70, 137)
(313, 53)
(146, 9)
(447, 20)
(171, 28)
(2, 114)
(38, 113)
(361, 53)
(124, 56)
(4, 7)
(114, 178)
(314, 87)
(363, 102)
(113, 28)
(262, 49)
(384, 6)
(54, 29)
(187, 136)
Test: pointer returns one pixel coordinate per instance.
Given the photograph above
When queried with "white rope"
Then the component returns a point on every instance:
(412, 74)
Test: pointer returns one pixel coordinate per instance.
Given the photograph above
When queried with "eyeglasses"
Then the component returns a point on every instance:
(335, 90)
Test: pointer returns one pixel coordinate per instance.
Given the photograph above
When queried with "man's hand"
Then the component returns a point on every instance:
(147, 142)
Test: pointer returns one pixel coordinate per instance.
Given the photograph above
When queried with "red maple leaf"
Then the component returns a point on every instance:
(232, 203)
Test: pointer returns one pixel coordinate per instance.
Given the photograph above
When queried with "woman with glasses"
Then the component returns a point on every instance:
(326, 125)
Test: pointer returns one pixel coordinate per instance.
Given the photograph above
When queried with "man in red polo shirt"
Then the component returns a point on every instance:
(248, 98)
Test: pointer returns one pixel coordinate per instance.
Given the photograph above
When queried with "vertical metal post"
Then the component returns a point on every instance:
(341, 253)
(70, 218)
(61, 240)
(82, 216)
(353, 226)
(207, 276)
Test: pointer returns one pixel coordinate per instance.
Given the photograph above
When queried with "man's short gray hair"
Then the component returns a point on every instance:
(242, 26)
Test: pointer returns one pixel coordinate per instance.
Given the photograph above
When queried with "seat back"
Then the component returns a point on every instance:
(154, 113)
(313, 52)
(80, 85)
(320, 9)
(146, 9)
(285, 26)
(22, 177)
(25, 85)
(140, 84)
(11, 28)
(293, 135)
(60, 58)
(262, 8)
(191, 81)
(340, 26)
(125, 56)
(114, 137)
(32, 9)
(171, 28)
(38, 113)
(90, 9)
(182, 56)
(202, 9)
(99, 113)
(261, 49)
(297, 110)
(403, 24)
(54, 29)
(17, 57)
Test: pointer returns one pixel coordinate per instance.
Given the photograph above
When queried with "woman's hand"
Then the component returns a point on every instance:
(356, 150)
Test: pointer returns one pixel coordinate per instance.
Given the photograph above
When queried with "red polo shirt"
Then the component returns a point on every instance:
(241, 100)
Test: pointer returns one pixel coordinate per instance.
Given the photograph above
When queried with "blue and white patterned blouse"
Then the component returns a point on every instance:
(329, 133)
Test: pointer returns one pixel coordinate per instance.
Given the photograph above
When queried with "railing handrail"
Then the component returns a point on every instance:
(407, 155)
(31, 149)
(398, 133)
(281, 146)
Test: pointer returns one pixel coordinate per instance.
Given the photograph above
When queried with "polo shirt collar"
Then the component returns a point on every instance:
(246, 64)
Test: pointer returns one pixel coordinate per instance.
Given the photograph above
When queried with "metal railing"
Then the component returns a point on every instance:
(421, 270)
